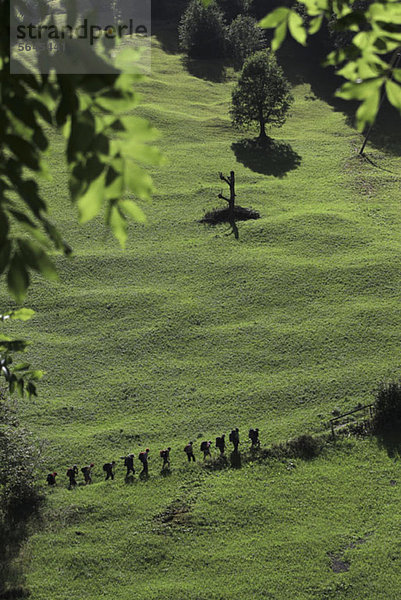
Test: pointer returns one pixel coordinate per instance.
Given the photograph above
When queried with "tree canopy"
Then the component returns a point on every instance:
(202, 30)
(262, 94)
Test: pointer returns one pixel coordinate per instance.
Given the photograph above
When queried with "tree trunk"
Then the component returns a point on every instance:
(262, 134)
(231, 204)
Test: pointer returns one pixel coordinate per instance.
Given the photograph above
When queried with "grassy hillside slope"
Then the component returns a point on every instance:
(189, 333)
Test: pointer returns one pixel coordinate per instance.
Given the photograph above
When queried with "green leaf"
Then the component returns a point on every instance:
(118, 224)
(296, 27)
(22, 314)
(17, 278)
(138, 181)
(14, 345)
(143, 153)
(367, 111)
(315, 24)
(140, 128)
(275, 18)
(116, 103)
(36, 375)
(132, 210)
(359, 90)
(394, 93)
(114, 187)
(21, 367)
(20, 387)
(23, 151)
(34, 256)
(91, 202)
(279, 36)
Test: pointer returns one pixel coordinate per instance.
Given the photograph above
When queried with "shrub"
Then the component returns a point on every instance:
(388, 407)
(202, 31)
(303, 446)
(244, 38)
(233, 8)
(19, 497)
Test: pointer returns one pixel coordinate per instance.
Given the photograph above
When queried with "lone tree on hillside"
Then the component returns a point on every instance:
(202, 31)
(262, 94)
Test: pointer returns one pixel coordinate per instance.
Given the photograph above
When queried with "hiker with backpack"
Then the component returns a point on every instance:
(71, 473)
(144, 458)
(51, 478)
(165, 455)
(234, 438)
(205, 448)
(87, 473)
(189, 451)
(108, 468)
(254, 437)
(221, 444)
(129, 464)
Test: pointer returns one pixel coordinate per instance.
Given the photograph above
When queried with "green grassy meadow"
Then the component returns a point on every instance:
(189, 333)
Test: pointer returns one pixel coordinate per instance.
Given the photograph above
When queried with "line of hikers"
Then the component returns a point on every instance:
(205, 448)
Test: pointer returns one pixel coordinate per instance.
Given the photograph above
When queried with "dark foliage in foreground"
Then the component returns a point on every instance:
(388, 407)
(20, 497)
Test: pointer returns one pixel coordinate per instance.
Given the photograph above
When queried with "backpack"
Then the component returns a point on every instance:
(188, 449)
(203, 446)
(106, 466)
(50, 478)
(142, 457)
(231, 437)
(219, 442)
(70, 472)
(162, 453)
(83, 470)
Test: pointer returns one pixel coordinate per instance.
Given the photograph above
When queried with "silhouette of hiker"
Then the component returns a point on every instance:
(254, 437)
(51, 478)
(205, 448)
(234, 438)
(87, 472)
(189, 451)
(129, 464)
(108, 469)
(144, 458)
(165, 455)
(221, 444)
(72, 471)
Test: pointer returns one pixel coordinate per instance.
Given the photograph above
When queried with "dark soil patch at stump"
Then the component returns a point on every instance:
(223, 215)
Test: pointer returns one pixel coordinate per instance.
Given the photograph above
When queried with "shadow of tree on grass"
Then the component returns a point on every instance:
(390, 441)
(14, 531)
(324, 82)
(270, 157)
(211, 70)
